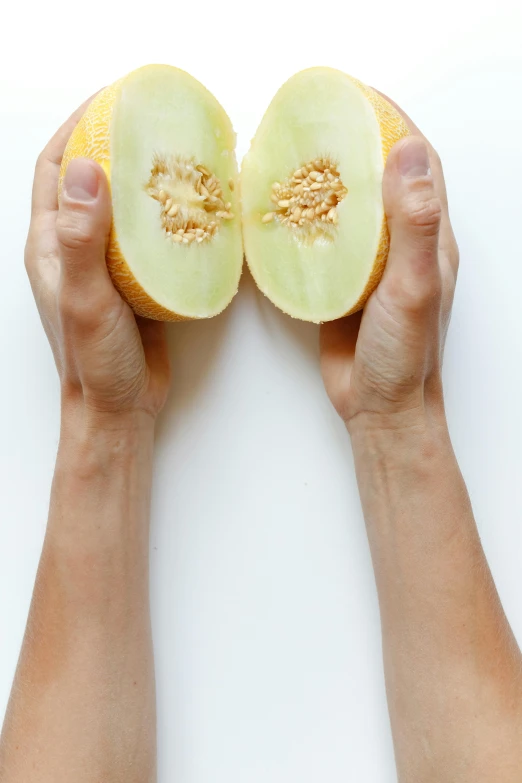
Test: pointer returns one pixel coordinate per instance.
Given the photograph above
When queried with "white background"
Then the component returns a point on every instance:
(264, 608)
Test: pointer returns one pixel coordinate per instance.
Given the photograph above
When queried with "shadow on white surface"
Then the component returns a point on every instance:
(194, 351)
(303, 336)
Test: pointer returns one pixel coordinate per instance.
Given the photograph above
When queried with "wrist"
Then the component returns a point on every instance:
(399, 437)
(94, 438)
(405, 471)
(422, 411)
(102, 482)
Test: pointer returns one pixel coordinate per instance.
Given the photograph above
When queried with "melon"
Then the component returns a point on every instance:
(314, 227)
(168, 150)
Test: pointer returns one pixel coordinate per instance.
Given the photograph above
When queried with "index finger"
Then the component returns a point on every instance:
(47, 171)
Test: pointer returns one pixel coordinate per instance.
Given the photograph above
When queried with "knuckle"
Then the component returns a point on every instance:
(71, 384)
(73, 230)
(454, 254)
(423, 213)
(29, 257)
(67, 307)
(435, 158)
(86, 314)
(422, 299)
(41, 161)
(450, 252)
(75, 310)
(413, 296)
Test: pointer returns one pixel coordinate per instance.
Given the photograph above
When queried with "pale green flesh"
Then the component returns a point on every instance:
(162, 109)
(319, 112)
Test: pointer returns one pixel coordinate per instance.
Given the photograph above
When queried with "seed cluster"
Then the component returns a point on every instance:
(307, 201)
(191, 199)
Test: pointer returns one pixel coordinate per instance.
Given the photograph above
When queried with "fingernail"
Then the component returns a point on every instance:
(81, 180)
(413, 159)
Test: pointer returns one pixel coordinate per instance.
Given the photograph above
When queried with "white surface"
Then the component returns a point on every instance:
(264, 608)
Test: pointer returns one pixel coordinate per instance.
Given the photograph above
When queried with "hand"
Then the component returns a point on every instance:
(385, 363)
(107, 359)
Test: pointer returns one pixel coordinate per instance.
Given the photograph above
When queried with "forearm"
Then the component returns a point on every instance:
(82, 706)
(452, 665)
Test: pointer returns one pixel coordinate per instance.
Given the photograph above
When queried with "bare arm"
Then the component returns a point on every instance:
(82, 706)
(453, 668)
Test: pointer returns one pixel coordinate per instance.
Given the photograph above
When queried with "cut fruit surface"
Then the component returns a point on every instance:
(315, 233)
(168, 149)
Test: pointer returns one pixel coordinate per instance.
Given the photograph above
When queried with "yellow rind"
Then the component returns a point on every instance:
(91, 139)
(393, 128)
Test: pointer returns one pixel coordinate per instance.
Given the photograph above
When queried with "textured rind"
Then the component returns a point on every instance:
(393, 128)
(91, 139)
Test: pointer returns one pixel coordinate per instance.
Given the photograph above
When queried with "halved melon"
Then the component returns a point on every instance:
(168, 149)
(314, 227)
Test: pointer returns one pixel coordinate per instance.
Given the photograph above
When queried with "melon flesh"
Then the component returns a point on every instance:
(319, 271)
(152, 131)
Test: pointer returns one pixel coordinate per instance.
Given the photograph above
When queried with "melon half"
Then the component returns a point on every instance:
(314, 227)
(168, 150)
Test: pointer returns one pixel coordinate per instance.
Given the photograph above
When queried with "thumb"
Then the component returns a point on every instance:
(413, 210)
(82, 229)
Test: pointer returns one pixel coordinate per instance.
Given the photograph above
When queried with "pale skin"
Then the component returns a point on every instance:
(82, 706)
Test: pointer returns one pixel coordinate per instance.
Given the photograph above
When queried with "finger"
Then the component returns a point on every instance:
(339, 338)
(40, 252)
(82, 229)
(413, 208)
(41, 260)
(47, 171)
(447, 237)
(338, 343)
(154, 339)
